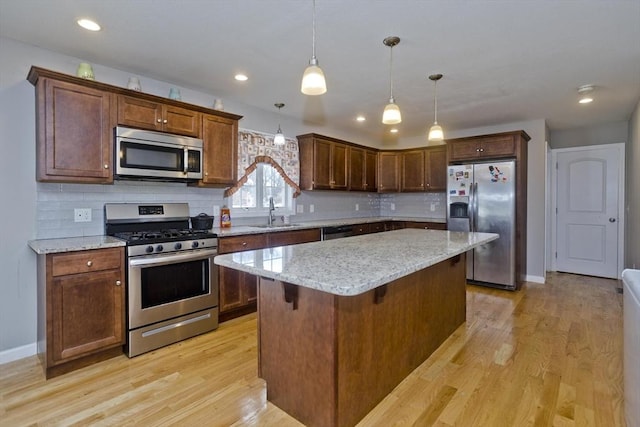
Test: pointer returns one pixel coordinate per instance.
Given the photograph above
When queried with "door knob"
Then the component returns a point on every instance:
(612, 220)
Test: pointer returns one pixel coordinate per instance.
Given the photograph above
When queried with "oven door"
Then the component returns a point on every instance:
(167, 286)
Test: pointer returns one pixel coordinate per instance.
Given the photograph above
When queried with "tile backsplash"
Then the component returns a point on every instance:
(56, 204)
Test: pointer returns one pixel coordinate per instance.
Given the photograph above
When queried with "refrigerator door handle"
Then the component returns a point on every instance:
(470, 207)
(475, 206)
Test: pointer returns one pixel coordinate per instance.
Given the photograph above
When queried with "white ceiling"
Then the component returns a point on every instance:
(503, 61)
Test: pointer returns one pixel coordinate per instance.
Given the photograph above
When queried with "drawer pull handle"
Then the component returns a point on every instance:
(118, 283)
(244, 243)
(89, 263)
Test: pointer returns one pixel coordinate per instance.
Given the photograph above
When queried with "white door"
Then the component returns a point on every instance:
(588, 218)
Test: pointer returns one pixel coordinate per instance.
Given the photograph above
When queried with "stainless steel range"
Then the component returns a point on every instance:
(172, 282)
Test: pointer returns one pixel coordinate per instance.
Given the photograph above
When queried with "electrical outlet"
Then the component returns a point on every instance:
(433, 207)
(82, 215)
(357, 207)
(393, 206)
(299, 208)
(312, 209)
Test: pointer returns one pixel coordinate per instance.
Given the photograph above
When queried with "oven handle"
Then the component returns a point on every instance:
(172, 259)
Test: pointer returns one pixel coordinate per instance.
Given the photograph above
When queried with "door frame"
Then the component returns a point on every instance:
(621, 200)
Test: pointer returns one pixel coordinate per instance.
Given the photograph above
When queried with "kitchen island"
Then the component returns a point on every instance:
(342, 322)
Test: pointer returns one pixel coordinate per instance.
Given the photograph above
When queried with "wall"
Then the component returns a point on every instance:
(632, 189)
(590, 135)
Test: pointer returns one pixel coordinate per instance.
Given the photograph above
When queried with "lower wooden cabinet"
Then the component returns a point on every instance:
(238, 289)
(81, 311)
(425, 225)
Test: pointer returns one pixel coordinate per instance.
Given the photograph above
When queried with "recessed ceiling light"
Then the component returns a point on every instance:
(393, 130)
(585, 94)
(361, 118)
(241, 77)
(88, 24)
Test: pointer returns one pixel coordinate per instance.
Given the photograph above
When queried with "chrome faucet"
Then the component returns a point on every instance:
(272, 209)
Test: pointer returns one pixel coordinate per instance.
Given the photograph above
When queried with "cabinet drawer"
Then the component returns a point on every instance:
(242, 243)
(426, 225)
(86, 261)
(295, 237)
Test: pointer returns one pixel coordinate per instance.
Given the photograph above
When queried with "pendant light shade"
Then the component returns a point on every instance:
(313, 81)
(278, 139)
(435, 132)
(391, 114)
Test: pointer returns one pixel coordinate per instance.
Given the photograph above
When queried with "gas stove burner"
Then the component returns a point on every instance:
(140, 237)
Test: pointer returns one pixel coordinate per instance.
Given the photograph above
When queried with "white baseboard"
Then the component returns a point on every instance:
(534, 279)
(16, 353)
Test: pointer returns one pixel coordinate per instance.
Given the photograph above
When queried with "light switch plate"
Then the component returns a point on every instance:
(312, 208)
(299, 208)
(357, 207)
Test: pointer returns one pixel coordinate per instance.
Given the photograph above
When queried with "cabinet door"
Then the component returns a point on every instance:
(463, 150)
(322, 164)
(388, 171)
(182, 121)
(377, 227)
(139, 113)
(498, 146)
(436, 168)
(426, 225)
(338, 166)
(87, 314)
(220, 162)
(231, 288)
(75, 133)
(371, 170)
(413, 170)
(357, 168)
(359, 229)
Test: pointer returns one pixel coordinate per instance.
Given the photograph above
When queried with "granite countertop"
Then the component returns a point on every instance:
(68, 244)
(255, 229)
(354, 265)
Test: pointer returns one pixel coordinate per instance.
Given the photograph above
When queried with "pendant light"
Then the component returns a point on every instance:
(278, 139)
(435, 133)
(391, 114)
(313, 82)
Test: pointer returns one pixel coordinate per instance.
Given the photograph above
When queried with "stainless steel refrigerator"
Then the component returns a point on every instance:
(482, 197)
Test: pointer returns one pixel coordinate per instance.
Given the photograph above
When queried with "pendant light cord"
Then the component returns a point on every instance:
(391, 75)
(435, 102)
(313, 37)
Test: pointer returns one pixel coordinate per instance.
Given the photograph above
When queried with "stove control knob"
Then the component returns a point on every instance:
(195, 244)
(159, 248)
(149, 249)
(177, 246)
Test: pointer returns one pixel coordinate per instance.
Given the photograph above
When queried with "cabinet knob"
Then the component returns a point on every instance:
(164, 121)
(206, 174)
(159, 120)
(89, 263)
(106, 166)
(244, 243)
(118, 283)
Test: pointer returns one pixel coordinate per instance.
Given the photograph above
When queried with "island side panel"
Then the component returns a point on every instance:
(380, 343)
(297, 353)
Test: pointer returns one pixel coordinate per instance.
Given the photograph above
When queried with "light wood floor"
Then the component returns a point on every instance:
(548, 355)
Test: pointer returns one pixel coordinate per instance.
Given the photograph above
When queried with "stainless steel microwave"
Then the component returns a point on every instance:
(143, 154)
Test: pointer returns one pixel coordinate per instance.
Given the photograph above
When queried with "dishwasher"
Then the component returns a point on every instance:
(330, 233)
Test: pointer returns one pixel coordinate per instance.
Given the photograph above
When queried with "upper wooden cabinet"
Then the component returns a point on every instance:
(74, 132)
(424, 169)
(413, 178)
(158, 116)
(75, 119)
(220, 162)
(323, 163)
(363, 169)
(494, 146)
(435, 162)
(389, 171)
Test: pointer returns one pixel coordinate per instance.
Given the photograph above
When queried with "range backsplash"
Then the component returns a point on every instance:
(56, 204)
